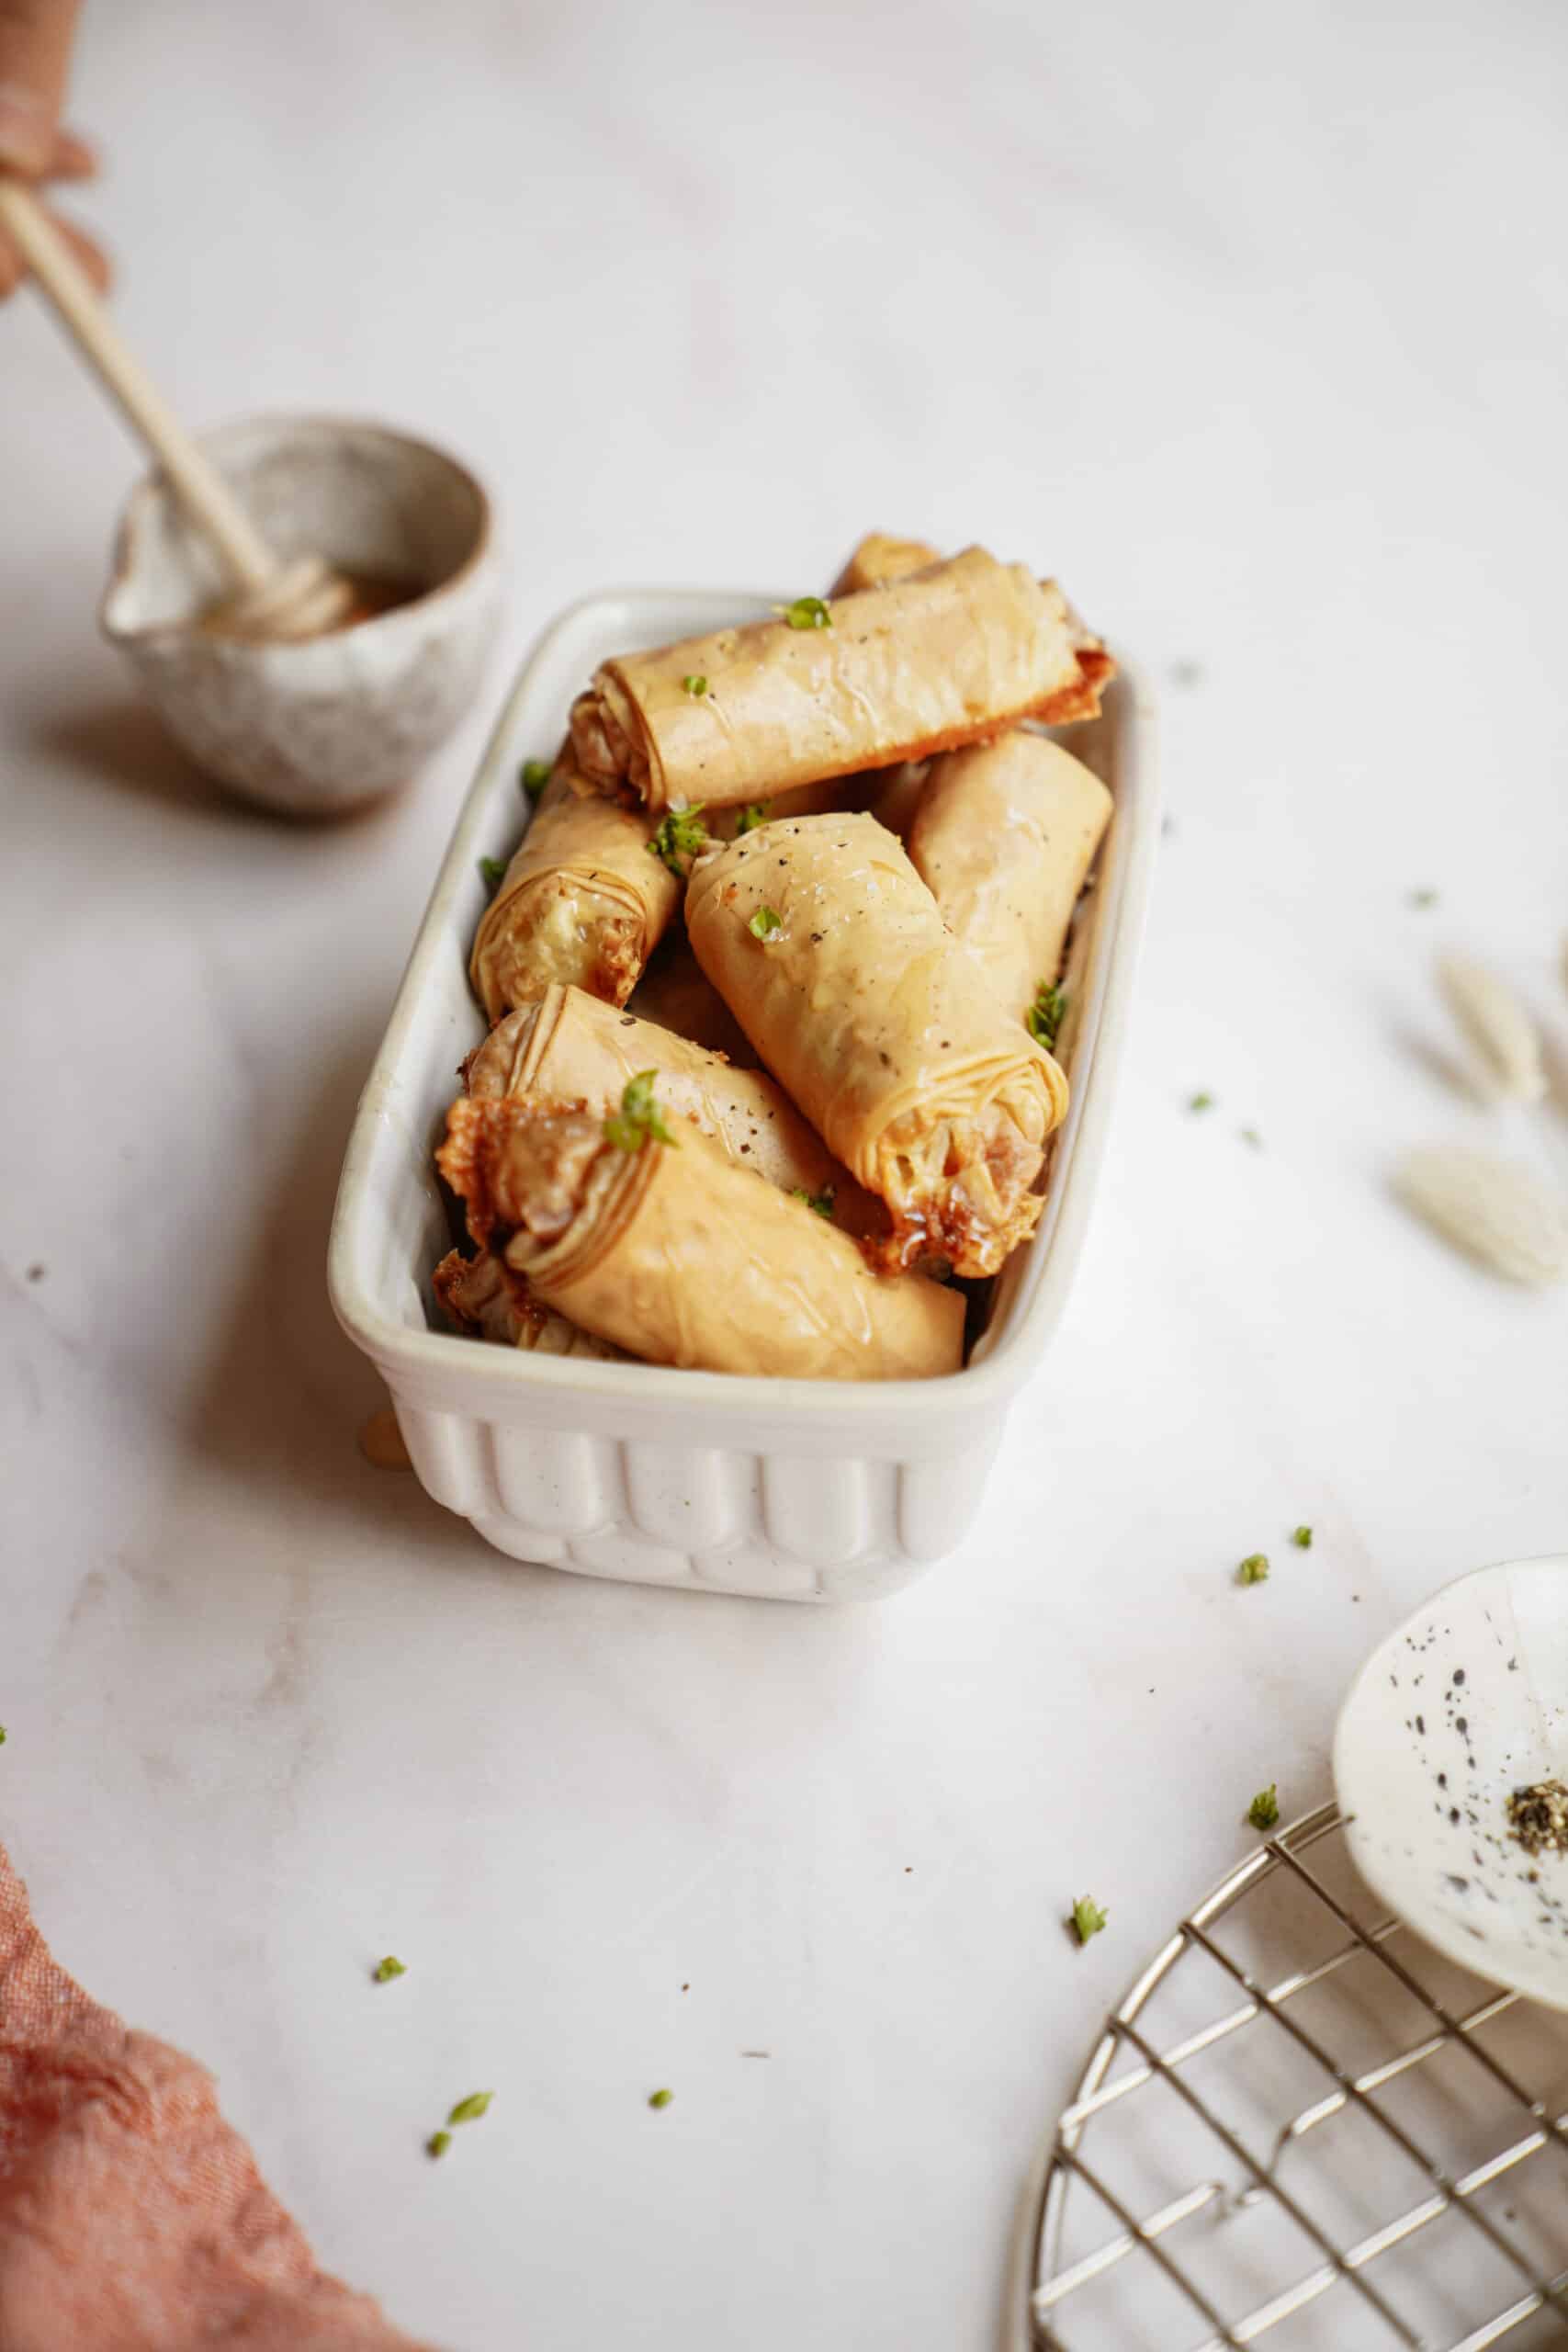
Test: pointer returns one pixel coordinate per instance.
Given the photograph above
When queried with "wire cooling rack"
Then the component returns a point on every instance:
(1304, 2129)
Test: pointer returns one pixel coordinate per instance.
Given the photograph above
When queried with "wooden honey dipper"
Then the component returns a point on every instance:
(271, 598)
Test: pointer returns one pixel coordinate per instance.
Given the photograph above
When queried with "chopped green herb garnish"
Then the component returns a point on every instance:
(1254, 1569)
(1200, 1102)
(1423, 898)
(1088, 1919)
(680, 835)
(2, 1734)
(537, 774)
(660, 2099)
(469, 2109)
(1043, 1018)
(389, 1968)
(494, 871)
(1301, 1539)
(438, 2144)
(695, 686)
(807, 611)
(1264, 1810)
(821, 1202)
(638, 1117)
(1251, 1136)
(755, 813)
(765, 923)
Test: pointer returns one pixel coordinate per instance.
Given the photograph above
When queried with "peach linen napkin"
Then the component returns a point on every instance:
(133, 2218)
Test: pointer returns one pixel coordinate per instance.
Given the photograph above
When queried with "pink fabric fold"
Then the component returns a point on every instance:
(133, 2218)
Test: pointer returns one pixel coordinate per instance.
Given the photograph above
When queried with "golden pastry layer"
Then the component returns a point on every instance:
(571, 1049)
(583, 901)
(879, 558)
(1003, 836)
(832, 954)
(672, 1252)
(919, 665)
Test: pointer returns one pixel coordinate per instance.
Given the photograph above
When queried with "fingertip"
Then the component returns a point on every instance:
(26, 131)
(91, 255)
(75, 158)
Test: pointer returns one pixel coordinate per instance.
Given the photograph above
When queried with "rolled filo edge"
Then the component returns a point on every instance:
(833, 955)
(485, 1299)
(676, 1255)
(571, 1049)
(584, 901)
(1003, 836)
(919, 665)
(880, 558)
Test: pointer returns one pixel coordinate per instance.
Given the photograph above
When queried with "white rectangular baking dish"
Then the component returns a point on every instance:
(795, 1490)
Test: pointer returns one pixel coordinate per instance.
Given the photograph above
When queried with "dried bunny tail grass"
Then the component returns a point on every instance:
(1494, 1210)
(1496, 1024)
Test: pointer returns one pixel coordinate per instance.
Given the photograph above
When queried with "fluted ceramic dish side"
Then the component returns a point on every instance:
(796, 1490)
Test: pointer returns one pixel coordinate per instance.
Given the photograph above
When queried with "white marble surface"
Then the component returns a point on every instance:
(1252, 324)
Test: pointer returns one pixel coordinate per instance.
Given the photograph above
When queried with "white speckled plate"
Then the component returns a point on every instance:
(1467, 1702)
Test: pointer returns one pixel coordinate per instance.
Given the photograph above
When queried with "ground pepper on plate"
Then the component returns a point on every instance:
(1537, 1817)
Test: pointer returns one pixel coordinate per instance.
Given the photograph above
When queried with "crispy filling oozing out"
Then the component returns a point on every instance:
(490, 1299)
(526, 1171)
(602, 749)
(483, 1294)
(961, 1189)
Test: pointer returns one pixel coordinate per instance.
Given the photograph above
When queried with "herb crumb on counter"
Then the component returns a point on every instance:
(1087, 1919)
(1264, 1810)
(469, 2109)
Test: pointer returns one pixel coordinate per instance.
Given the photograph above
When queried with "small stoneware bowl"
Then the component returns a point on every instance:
(318, 728)
(1466, 1702)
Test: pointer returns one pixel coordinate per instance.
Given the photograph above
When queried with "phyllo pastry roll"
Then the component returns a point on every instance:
(584, 900)
(483, 1296)
(571, 1049)
(878, 559)
(833, 956)
(937, 658)
(1003, 836)
(651, 1236)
